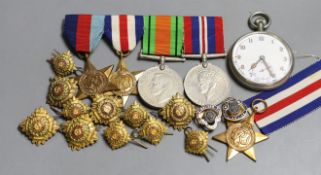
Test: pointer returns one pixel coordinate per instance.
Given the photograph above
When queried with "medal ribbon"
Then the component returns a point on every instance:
(297, 97)
(203, 35)
(83, 32)
(124, 31)
(163, 35)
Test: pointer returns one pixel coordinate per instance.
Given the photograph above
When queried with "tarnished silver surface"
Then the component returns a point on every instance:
(157, 86)
(208, 85)
(208, 116)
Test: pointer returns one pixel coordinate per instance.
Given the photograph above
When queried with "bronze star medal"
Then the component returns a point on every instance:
(124, 81)
(93, 81)
(241, 137)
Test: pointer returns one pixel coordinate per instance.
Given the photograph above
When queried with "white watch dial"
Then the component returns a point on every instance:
(262, 59)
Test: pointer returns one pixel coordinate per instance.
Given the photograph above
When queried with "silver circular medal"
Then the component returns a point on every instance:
(157, 86)
(209, 85)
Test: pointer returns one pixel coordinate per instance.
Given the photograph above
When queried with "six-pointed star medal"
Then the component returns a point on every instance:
(124, 81)
(93, 81)
(241, 137)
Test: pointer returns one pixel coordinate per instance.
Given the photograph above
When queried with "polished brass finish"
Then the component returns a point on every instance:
(241, 137)
(117, 135)
(106, 108)
(61, 90)
(74, 108)
(80, 132)
(178, 112)
(39, 126)
(135, 115)
(93, 81)
(63, 63)
(196, 142)
(124, 81)
(153, 131)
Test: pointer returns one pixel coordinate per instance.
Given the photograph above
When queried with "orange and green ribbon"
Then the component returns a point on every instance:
(163, 35)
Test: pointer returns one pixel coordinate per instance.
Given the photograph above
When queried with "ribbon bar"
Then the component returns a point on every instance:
(300, 95)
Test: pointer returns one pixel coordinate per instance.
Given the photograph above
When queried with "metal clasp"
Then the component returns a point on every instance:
(161, 59)
(259, 21)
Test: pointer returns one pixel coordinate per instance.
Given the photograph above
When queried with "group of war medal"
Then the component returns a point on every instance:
(164, 38)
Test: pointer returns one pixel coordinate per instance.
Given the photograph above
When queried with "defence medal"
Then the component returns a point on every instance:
(162, 41)
(135, 115)
(153, 131)
(124, 32)
(300, 95)
(80, 132)
(178, 112)
(106, 108)
(117, 136)
(74, 108)
(83, 33)
(241, 137)
(203, 38)
(61, 90)
(39, 126)
(63, 63)
(196, 142)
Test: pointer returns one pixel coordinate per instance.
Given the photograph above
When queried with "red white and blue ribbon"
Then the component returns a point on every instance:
(83, 32)
(124, 31)
(203, 35)
(300, 95)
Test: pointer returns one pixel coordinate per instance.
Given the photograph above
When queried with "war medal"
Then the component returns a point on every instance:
(203, 38)
(162, 41)
(241, 137)
(135, 115)
(178, 112)
(153, 131)
(61, 90)
(117, 136)
(83, 32)
(124, 32)
(106, 108)
(39, 126)
(63, 63)
(196, 142)
(80, 132)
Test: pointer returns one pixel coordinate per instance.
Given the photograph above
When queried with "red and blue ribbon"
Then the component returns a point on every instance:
(83, 32)
(124, 31)
(203, 35)
(297, 97)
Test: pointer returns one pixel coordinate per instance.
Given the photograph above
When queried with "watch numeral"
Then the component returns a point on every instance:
(261, 38)
(242, 47)
(250, 40)
(281, 49)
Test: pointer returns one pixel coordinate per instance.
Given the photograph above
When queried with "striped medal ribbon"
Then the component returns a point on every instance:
(83, 32)
(163, 35)
(297, 97)
(124, 31)
(203, 35)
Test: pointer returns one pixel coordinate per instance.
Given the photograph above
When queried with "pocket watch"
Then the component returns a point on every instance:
(260, 60)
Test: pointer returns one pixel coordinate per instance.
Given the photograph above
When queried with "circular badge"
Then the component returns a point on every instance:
(156, 86)
(208, 116)
(135, 115)
(74, 108)
(240, 136)
(63, 63)
(208, 85)
(117, 135)
(61, 90)
(196, 141)
(234, 110)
